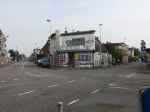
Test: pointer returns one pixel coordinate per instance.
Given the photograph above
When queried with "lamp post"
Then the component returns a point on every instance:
(49, 39)
(100, 28)
(49, 21)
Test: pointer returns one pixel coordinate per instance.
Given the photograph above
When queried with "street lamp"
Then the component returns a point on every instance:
(49, 21)
(49, 39)
(100, 28)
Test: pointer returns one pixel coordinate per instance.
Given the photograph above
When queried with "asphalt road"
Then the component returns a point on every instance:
(28, 88)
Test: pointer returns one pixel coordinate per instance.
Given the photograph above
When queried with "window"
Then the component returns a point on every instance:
(85, 57)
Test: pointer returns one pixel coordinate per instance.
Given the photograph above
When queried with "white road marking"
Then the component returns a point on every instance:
(95, 91)
(130, 75)
(3, 81)
(71, 81)
(15, 79)
(33, 75)
(112, 84)
(120, 88)
(24, 93)
(55, 85)
(3, 86)
(72, 102)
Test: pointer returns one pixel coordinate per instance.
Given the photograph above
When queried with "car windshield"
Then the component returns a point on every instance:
(74, 55)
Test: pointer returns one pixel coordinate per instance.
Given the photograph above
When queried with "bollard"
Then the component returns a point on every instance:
(60, 106)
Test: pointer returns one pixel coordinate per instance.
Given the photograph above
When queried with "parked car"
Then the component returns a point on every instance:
(44, 62)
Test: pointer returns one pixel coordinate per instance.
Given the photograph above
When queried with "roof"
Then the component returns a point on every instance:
(46, 46)
(78, 33)
(114, 44)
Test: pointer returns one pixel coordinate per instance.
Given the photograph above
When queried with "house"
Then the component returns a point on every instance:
(45, 49)
(121, 49)
(3, 51)
(132, 51)
(75, 49)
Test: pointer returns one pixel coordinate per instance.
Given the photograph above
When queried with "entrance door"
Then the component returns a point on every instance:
(71, 59)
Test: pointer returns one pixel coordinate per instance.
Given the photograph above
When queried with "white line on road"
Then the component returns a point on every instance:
(55, 85)
(72, 102)
(33, 75)
(3, 86)
(112, 84)
(131, 75)
(71, 81)
(15, 79)
(3, 81)
(120, 88)
(95, 91)
(24, 93)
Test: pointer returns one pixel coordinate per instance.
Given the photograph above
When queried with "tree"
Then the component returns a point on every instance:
(12, 54)
(116, 54)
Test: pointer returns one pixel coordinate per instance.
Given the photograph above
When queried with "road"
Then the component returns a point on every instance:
(29, 88)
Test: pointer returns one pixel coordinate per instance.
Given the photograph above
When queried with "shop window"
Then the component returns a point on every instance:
(85, 58)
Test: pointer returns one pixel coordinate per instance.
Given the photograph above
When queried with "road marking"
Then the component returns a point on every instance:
(33, 75)
(95, 91)
(112, 84)
(3, 81)
(15, 79)
(72, 102)
(71, 81)
(125, 88)
(3, 86)
(24, 93)
(55, 85)
(130, 75)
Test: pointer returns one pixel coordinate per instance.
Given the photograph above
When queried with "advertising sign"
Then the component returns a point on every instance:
(78, 42)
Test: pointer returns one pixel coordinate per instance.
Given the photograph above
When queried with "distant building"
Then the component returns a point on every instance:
(121, 46)
(132, 52)
(3, 51)
(147, 56)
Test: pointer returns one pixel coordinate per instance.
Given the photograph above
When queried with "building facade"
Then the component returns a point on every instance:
(123, 51)
(3, 51)
(76, 49)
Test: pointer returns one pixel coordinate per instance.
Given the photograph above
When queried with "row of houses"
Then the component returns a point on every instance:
(81, 49)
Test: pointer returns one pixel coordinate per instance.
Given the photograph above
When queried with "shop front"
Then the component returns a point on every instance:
(75, 59)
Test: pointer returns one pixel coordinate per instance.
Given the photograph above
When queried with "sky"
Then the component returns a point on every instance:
(24, 21)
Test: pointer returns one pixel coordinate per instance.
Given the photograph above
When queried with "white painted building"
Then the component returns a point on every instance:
(75, 49)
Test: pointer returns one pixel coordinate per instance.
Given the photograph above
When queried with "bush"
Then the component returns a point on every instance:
(133, 59)
(117, 55)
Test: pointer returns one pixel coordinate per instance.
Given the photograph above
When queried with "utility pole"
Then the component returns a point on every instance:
(49, 21)
(49, 39)
(100, 29)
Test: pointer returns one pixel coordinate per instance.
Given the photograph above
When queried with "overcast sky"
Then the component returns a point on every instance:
(24, 20)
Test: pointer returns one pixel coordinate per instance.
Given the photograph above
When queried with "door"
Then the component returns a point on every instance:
(71, 59)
